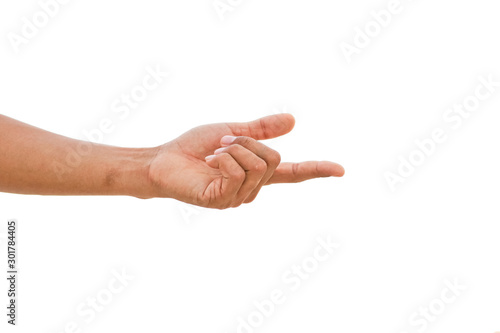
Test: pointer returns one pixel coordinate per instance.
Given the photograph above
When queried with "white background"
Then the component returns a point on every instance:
(198, 270)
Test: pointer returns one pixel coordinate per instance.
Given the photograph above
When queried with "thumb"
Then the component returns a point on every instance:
(264, 128)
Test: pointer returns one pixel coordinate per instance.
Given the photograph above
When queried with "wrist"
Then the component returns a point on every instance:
(129, 173)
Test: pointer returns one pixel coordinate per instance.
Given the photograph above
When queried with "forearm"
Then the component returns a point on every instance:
(34, 161)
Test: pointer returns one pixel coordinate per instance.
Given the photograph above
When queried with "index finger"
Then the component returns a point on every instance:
(299, 172)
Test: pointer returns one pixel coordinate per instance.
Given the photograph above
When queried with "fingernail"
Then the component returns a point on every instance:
(220, 150)
(209, 157)
(227, 139)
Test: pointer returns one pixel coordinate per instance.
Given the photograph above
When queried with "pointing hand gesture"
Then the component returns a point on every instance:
(224, 165)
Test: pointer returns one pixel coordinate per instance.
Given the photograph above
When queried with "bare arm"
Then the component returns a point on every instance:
(217, 165)
(34, 161)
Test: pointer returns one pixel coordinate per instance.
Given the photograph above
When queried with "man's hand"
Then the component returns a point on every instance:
(217, 166)
(224, 165)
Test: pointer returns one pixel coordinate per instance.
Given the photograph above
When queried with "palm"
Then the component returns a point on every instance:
(190, 179)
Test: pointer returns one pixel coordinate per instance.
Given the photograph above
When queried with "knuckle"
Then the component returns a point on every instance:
(274, 158)
(260, 166)
(238, 174)
(232, 149)
(243, 140)
(295, 170)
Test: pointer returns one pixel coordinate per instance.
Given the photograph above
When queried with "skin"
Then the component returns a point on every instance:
(216, 166)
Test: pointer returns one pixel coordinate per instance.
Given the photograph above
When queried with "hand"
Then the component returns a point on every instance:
(224, 165)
